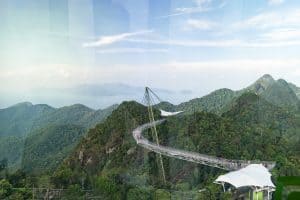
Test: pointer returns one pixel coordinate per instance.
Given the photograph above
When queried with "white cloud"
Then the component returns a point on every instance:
(275, 2)
(236, 65)
(174, 75)
(273, 29)
(45, 76)
(184, 11)
(199, 24)
(191, 43)
(230, 73)
(202, 2)
(282, 34)
(221, 43)
(107, 40)
(268, 20)
(55, 76)
(200, 6)
(131, 50)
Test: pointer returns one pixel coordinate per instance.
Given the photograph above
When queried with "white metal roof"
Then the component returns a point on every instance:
(167, 114)
(252, 175)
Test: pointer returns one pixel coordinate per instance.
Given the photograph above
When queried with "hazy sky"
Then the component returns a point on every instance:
(50, 46)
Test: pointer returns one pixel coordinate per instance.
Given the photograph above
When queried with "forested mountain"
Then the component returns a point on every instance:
(77, 114)
(255, 110)
(29, 127)
(277, 92)
(166, 106)
(110, 162)
(96, 150)
(261, 85)
(295, 89)
(11, 150)
(215, 102)
(19, 119)
(45, 148)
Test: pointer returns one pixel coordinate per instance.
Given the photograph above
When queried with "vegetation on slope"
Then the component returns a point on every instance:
(260, 122)
(295, 89)
(44, 126)
(214, 102)
(45, 148)
(11, 148)
(282, 95)
(108, 161)
(18, 119)
(279, 93)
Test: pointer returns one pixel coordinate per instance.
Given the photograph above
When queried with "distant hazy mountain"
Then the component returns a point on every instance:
(28, 123)
(19, 119)
(77, 114)
(108, 94)
(114, 89)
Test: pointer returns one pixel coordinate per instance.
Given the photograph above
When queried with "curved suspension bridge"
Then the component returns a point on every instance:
(203, 159)
(221, 163)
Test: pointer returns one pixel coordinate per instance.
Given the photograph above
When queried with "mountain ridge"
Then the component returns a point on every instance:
(23, 119)
(278, 92)
(26, 116)
(219, 102)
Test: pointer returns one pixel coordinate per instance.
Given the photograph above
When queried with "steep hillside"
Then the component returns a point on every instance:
(110, 151)
(278, 92)
(251, 108)
(166, 106)
(45, 148)
(215, 102)
(11, 148)
(254, 111)
(55, 135)
(77, 114)
(111, 140)
(296, 89)
(19, 119)
(261, 85)
(40, 121)
(267, 130)
(282, 95)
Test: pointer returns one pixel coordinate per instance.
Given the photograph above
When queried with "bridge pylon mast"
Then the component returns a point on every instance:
(153, 129)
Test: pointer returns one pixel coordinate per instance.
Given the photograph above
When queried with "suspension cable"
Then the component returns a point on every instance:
(153, 129)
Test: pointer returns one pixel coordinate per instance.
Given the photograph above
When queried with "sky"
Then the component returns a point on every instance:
(51, 49)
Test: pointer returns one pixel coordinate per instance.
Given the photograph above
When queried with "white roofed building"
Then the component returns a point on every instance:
(255, 176)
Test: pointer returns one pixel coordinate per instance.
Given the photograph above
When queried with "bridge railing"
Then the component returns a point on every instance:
(222, 163)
